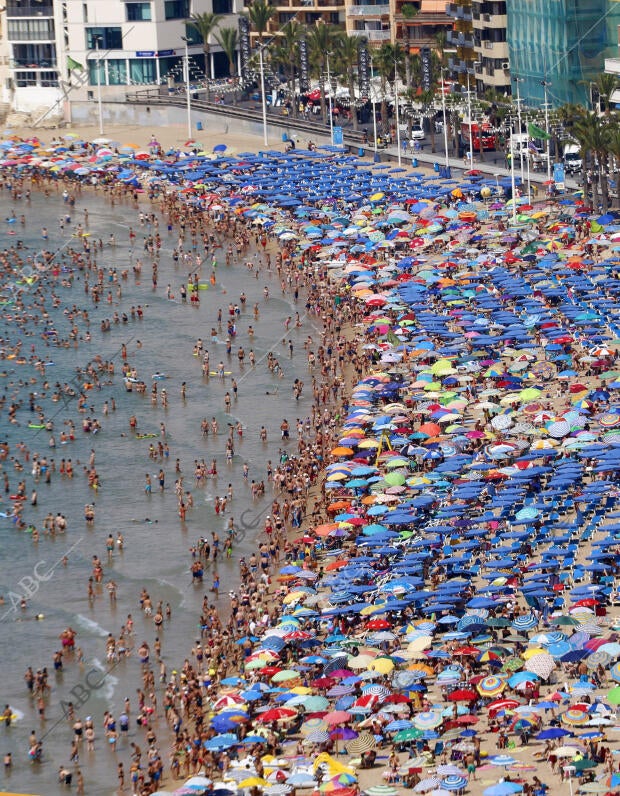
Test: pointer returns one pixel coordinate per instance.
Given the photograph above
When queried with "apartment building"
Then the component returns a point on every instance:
(30, 30)
(492, 64)
(461, 41)
(309, 12)
(417, 23)
(60, 46)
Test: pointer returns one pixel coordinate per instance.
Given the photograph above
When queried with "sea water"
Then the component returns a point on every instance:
(156, 554)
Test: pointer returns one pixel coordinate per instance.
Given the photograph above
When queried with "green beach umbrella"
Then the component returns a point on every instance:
(410, 734)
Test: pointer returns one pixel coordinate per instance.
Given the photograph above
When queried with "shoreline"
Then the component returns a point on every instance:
(56, 187)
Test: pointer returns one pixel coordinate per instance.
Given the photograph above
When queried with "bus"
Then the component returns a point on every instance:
(483, 136)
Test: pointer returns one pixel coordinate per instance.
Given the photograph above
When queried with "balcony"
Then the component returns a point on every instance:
(368, 10)
(456, 65)
(497, 78)
(460, 39)
(457, 11)
(493, 21)
(22, 63)
(373, 35)
(285, 6)
(29, 10)
(498, 49)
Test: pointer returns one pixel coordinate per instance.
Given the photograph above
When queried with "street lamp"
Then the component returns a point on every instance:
(445, 126)
(397, 113)
(512, 175)
(471, 139)
(188, 94)
(545, 84)
(374, 115)
(517, 81)
(262, 92)
(97, 39)
(331, 116)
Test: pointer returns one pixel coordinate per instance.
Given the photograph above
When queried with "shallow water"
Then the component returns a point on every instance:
(156, 552)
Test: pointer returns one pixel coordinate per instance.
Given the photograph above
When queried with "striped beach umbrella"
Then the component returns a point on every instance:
(398, 724)
(453, 782)
(574, 717)
(598, 658)
(381, 790)
(502, 760)
(376, 690)
(311, 725)
(524, 622)
(318, 736)
(427, 720)
(426, 784)
(491, 685)
(615, 672)
(363, 743)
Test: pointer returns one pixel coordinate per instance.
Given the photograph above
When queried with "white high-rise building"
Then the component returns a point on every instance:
(61, 49)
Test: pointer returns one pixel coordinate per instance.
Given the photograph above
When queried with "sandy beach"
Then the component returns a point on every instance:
(426, 601)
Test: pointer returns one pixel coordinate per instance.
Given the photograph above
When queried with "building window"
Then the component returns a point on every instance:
(192, 35)
(96, 72)
(222, 7)
(138, 12)
(117, 72)
(34, 56)
(49, 79)
(30, 8)
(25, 79)
(85, 12)
(104, 38)
(142, 70)
(176, 9)
(30, 30)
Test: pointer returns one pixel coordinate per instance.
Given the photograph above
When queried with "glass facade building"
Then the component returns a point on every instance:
(561, 42)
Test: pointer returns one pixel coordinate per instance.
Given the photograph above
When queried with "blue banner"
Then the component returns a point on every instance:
(558, 173)
(338, 140)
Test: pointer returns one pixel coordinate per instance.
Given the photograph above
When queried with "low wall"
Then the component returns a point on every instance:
(156, 116)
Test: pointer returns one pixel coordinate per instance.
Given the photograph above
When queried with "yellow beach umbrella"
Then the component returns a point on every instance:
(382, 665)
(531, 652)
(253, 782)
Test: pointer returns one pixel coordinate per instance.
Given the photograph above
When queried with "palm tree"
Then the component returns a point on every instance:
(427, 99)
(613, 146)
(592, 136)
(322, 40)
(345, 63)
(409, 11)
(286, 53)
(228, 40)
(205, 25)
(388, 58)
(260, 14)
(606, 84)
(441, 39)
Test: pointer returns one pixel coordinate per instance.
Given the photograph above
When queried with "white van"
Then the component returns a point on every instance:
(572, 158)
(519, 142)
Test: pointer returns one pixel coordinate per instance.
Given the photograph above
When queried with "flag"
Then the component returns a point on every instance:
(537, 132)
(73, 65)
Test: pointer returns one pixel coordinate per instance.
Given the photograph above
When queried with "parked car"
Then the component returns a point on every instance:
(417, 133)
